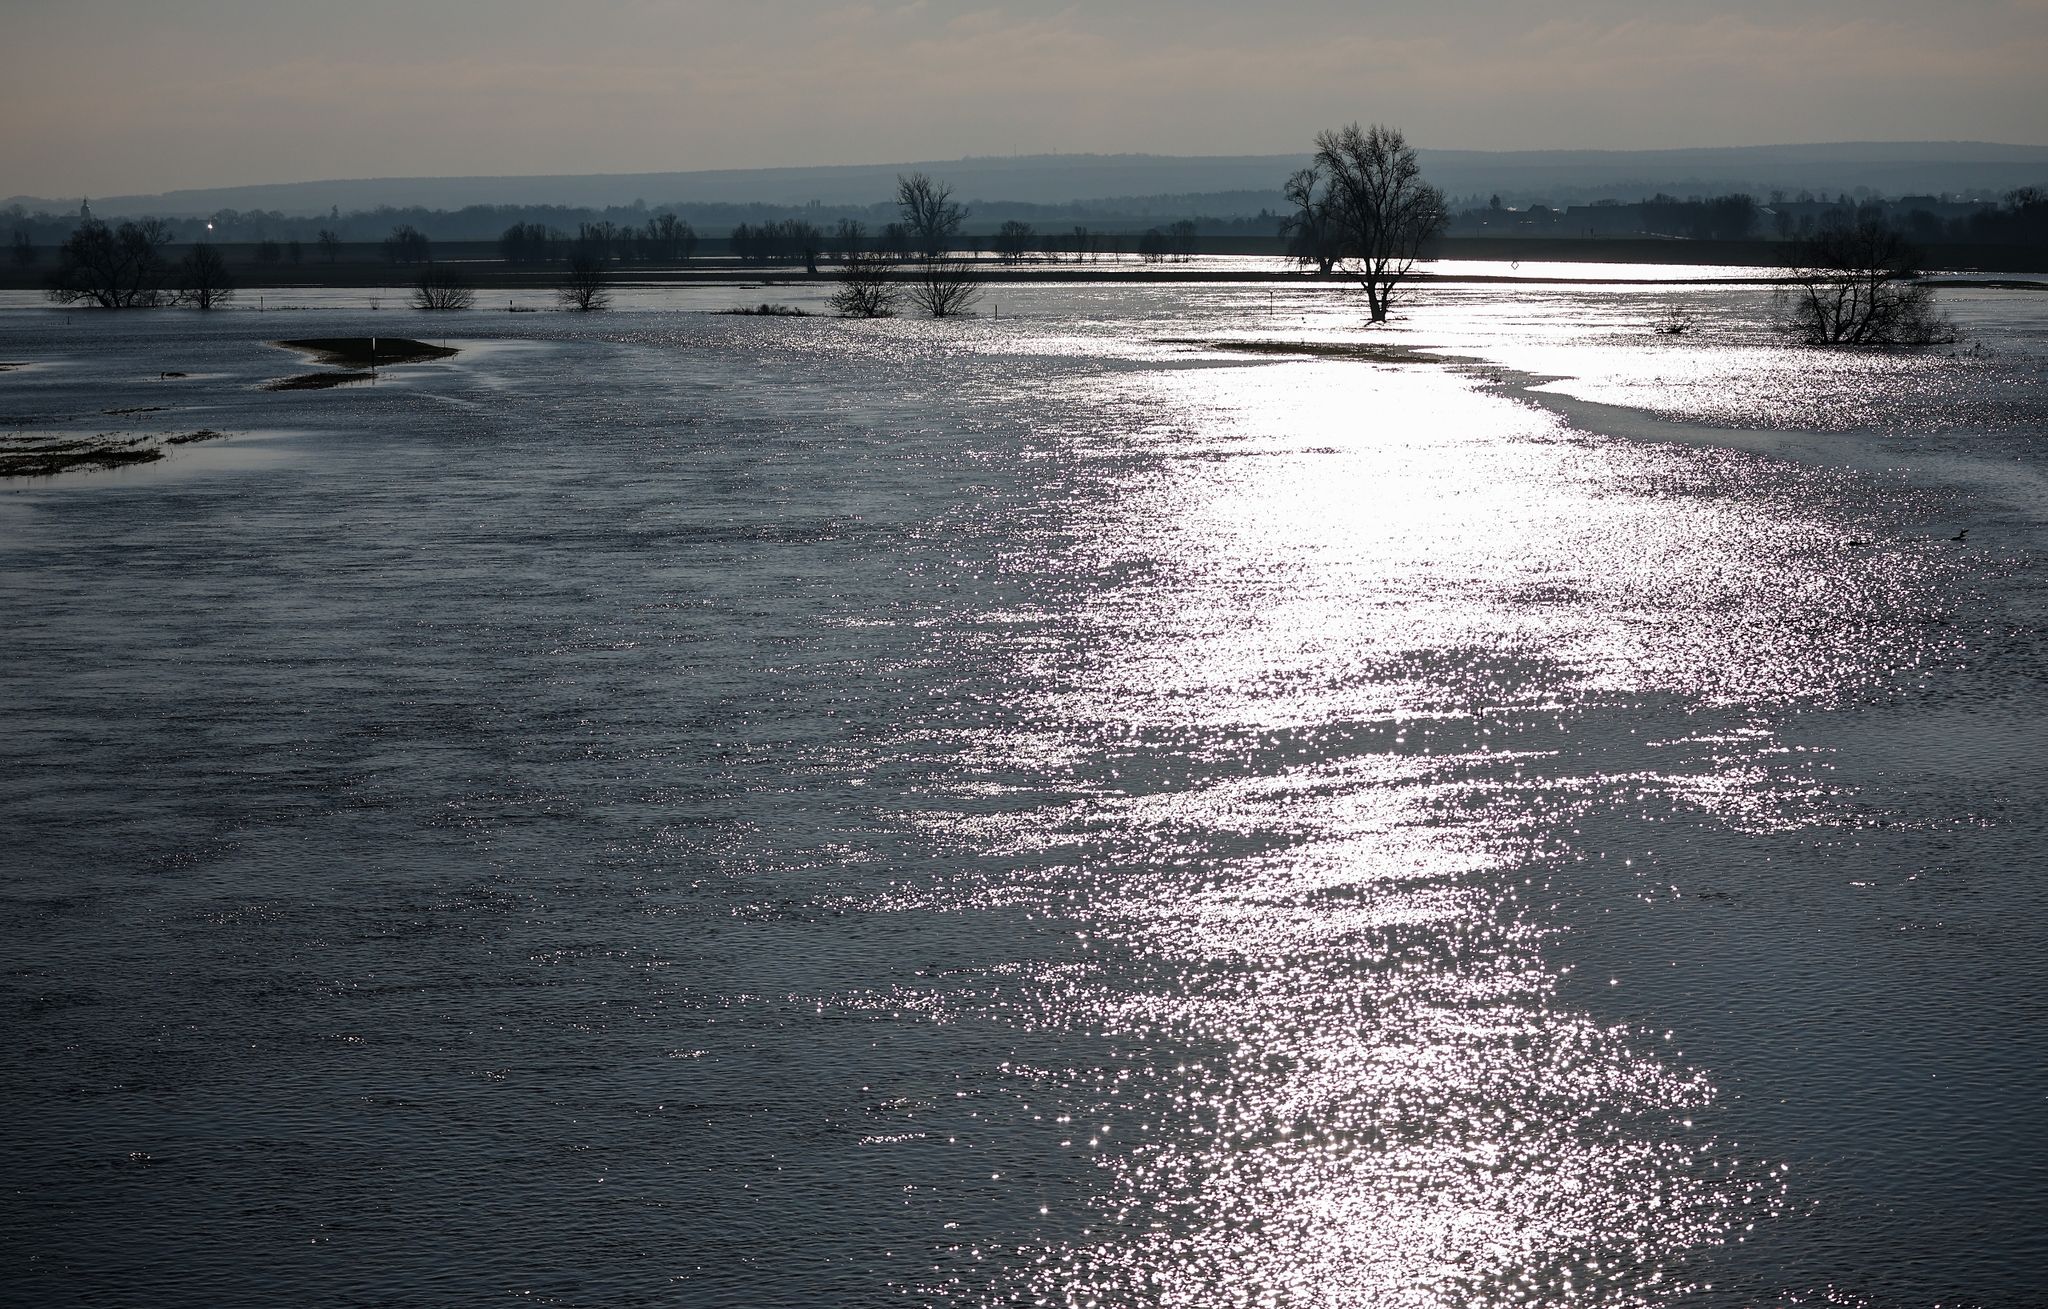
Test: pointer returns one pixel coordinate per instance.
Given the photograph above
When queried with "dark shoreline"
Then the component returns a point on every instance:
(364, 268)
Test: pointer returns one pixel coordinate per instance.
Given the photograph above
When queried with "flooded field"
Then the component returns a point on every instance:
(670, 808)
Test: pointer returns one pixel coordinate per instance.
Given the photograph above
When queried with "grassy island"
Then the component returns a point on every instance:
(358, 356)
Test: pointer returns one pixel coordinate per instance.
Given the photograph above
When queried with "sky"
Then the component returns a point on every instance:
(139, 96)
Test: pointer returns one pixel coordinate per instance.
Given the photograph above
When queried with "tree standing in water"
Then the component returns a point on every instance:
(865, 286)
(203, 280)
(1380, 208)
(1857, 284)
(115, 268)
(944, 286)
(584, 290)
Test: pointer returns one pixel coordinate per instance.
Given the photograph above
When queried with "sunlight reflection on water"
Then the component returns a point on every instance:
(1332, 589)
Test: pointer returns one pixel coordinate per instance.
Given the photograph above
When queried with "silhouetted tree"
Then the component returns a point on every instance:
(865, 286)
(2022, 220)
(294, 252)
(895, 241)
(929, 215)
(2027, 207)
(1153, 245)
(330, 244)
(115, 268)
(1309, 231)
(407, 245)
(945, 287)
(597, 240)
(849, 238)
(24, 248)
(442, 289)
(203, 278)
(1853, 284)
(1013, 240)
(744, 244)
(788, 241)
(526, 243)
(1722, 218)
(585, 289)
(1382, 209)
(805, 241)
(667, 240)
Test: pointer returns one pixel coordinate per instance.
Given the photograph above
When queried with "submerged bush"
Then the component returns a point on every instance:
(442, 288)
(203, 279)
(114, 268)
(865, 289)
(1856, 285)
(584, 291)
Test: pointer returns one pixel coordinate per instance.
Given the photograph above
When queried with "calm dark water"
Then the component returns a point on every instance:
(672, 809)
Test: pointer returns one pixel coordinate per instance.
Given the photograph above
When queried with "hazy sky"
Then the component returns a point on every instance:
(112, 96)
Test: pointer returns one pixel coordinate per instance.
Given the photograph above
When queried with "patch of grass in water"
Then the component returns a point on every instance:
(30, 457)
(317, 381)
(47, 454)
(354, 351)
(767, 311)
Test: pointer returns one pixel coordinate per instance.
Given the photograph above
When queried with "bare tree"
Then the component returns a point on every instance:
(849, 238)
(527, 243)
(115, 268)
(24, 248)
(1310, 234)
(408, 245)
(595, 240)
(1855, 285)
(667, 240)
(329, 243)
(1014, 240)
(929, 215)
(945, 288)
(895, 241)
(865, 286)
(806, 241)
(1382, 209)
(203, 278)
(442, 289)
(585, 289)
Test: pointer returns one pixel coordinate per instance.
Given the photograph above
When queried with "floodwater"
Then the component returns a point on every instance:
(671, 809)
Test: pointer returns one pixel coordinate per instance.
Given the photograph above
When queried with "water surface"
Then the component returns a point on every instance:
(675, 809)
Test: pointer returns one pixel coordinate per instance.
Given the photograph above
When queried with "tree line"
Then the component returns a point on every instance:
(2019, 218)
(1361, 207)
(663, 239)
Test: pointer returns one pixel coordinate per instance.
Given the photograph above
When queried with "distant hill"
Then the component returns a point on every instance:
(1232, 183)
